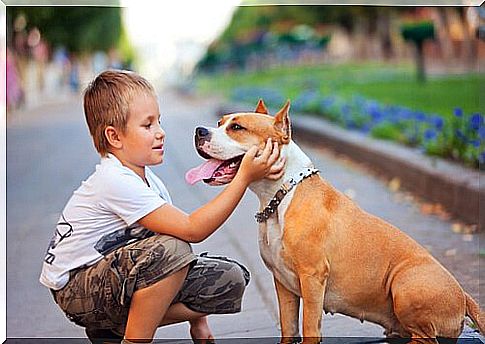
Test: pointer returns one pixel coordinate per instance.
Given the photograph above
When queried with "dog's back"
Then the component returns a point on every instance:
(373, 271)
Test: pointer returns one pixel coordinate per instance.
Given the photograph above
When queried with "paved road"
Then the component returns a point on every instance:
(49, 152)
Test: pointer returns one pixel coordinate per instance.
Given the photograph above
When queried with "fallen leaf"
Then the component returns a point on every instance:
(427, 209)
(461, 228)
(435, 209)
(395, 184)
(450, 252)
(470, 229)
(457, 227)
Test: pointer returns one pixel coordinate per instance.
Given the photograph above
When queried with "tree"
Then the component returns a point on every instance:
(417, 33)
(78, 29)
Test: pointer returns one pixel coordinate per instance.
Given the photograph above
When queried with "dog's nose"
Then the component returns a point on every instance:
(201, 132)
(202, 135)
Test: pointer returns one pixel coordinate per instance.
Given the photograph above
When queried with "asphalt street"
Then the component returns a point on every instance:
(49, 153)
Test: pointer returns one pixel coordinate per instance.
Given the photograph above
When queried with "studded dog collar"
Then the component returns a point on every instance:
(272, 206)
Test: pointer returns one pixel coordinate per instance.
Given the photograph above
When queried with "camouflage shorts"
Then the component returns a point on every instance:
(99, 296)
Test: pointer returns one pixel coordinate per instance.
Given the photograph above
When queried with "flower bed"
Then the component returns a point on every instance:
(459, 137)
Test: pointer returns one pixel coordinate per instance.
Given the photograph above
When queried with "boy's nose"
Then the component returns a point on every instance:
(160, 133)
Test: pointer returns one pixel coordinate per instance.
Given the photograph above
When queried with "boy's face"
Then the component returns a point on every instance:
(143, 139)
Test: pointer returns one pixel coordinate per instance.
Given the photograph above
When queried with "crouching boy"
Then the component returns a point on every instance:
(120, 263)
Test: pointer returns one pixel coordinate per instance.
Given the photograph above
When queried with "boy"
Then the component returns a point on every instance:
(119, 263)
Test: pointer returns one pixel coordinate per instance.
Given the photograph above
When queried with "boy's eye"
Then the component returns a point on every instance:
(236, 126)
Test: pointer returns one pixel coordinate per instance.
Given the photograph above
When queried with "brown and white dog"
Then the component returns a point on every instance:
(321, 247)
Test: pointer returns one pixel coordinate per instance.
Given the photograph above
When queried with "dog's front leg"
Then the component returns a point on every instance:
(312, 292)
(289, 306)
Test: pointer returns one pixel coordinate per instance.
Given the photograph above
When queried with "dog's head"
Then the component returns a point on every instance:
(236, 133)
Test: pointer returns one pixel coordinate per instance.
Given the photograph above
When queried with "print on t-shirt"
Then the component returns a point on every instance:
(111, 241)
(63, 231)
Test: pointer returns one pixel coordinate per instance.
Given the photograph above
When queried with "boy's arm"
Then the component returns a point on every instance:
(204, 221)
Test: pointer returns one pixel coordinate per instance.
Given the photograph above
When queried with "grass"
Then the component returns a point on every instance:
(386, 83)
(439, 95)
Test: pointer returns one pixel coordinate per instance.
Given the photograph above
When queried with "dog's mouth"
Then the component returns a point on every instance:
(215, 172)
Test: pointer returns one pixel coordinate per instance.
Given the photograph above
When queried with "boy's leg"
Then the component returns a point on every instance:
(99, 297)
(199, 327)
(214, 285)
(179, 312)
(149, 306)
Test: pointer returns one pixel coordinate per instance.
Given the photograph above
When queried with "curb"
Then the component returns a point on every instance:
(457, 188)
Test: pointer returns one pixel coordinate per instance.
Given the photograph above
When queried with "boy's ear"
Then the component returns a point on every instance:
(261, 108)
(111, 134)
(282, 122)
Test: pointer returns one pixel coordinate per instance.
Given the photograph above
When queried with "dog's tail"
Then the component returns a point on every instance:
(475, 313)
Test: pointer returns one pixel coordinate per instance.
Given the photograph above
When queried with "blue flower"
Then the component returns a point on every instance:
(429, 134)
(458, 112)
(476, 121)
(481, 132)
(420, 116)
(438, 122)
(405, 113)
(376, 115)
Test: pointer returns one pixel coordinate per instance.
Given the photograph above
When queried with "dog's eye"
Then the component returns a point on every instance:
(219, 123)
(236, 126)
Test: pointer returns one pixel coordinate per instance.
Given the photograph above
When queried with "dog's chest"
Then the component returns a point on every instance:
(271, 247)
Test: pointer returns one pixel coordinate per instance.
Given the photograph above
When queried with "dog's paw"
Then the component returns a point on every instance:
(290, 340)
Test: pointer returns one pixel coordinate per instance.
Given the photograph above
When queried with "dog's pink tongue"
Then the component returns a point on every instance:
(203, 171)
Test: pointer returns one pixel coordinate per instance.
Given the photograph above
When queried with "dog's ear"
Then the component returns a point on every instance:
(282, 122)
(261, 108)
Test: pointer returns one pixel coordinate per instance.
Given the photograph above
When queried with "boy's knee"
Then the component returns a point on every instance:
(215, 285)
(227, 279)
(227, 293)
(238, 278)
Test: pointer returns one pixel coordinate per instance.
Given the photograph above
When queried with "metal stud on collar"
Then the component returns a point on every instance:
(272, 206)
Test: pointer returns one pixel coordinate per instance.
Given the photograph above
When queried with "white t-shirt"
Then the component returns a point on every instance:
(100, 217)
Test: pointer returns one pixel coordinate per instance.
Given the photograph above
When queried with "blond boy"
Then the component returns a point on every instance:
(119, 263)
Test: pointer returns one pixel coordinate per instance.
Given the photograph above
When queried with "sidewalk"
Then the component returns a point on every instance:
(49, 152)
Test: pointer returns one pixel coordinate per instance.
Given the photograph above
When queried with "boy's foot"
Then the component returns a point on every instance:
(200, 331)
(99, 336)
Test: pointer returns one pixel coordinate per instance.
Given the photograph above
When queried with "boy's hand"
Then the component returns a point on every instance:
(277, 170)
(254, 167)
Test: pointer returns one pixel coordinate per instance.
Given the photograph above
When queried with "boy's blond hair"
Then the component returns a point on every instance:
(107, 103)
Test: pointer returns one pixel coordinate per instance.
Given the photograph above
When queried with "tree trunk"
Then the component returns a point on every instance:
(384, 30)
(444, 38)
(420, 69)
(469, 47)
